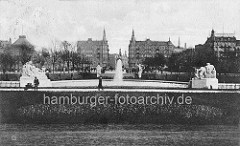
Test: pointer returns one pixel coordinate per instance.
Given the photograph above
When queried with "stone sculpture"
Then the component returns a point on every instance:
(140, 70)
(29, 72)
(208, 71)
(205, 77)
(99, 70)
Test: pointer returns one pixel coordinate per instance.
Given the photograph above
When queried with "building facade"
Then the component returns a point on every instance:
(223, 45)
(139, 50)
(95, 51)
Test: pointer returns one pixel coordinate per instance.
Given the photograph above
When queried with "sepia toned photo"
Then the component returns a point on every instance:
(119, 73)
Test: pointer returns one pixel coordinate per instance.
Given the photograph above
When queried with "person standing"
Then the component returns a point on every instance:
(36, 82)
(100, 86)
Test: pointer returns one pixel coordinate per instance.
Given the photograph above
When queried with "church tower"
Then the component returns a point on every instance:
(105, 50)
(132, 51)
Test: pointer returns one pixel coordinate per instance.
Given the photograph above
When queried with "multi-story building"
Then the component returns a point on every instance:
(223, 45)
(138, 50)
(95, 51)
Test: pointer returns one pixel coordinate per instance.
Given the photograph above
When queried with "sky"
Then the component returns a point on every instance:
(46, 22)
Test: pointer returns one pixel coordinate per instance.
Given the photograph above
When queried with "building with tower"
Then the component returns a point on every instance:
(96, 51)
(223, 45)
(114, 57)
(16, 49)
(21, 50)
(138, 50)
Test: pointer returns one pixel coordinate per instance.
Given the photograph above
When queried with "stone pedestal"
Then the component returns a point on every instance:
(43, 82)
(207, 83)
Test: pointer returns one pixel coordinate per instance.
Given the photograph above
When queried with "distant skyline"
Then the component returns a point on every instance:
(73, 20)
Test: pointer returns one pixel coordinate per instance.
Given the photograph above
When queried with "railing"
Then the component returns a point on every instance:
(228, 86)
(9, 84)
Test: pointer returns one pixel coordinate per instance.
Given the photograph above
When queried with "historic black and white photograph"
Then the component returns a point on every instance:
(119, 72)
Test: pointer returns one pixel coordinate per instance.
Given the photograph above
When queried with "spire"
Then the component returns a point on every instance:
(120, 53)
(104, 35)
(169, 39)
(212, 32)
(133, 36)
(179, 42)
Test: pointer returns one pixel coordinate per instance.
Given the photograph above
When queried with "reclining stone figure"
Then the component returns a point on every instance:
(207, 71)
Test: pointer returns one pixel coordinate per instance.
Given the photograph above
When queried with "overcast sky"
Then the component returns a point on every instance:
(46, 21)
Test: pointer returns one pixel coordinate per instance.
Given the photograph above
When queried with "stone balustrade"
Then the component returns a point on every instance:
(228, 86)
(9, 84)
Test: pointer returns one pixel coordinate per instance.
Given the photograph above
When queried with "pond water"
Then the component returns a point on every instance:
(167, 135)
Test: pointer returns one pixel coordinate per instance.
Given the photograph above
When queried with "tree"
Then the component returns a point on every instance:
(26, 52)
(77, 61)
(65, 54)
(55, 56)
(183, 61)
(6, 61)
(37, 58)
(73, 59)
(46, 56)
(159, 60)
(173, 64)
(156, 62)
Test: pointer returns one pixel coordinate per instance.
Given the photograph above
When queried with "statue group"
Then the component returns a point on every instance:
(205, 77)
(29, 70)
(207, 71)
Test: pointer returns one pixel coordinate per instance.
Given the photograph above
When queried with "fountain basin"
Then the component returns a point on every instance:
(124, 83)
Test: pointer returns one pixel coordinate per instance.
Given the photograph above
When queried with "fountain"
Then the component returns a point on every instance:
(118, 77)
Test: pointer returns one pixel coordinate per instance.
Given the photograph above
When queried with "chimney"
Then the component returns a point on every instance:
(179, 42)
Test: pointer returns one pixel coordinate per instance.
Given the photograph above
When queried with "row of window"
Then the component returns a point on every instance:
(221, 44)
